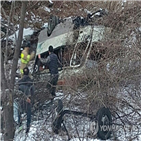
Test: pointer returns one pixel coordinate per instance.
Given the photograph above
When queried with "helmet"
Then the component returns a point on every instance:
(50, 48)
(26, 43)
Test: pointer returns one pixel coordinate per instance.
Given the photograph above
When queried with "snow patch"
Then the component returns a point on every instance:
(88, 12)
(47, 9)
(77, 139)
(50, 1)
(26, 31)
(45, 25)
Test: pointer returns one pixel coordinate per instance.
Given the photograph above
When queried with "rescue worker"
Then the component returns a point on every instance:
(26, 57)
(52, 63)
(27, 87)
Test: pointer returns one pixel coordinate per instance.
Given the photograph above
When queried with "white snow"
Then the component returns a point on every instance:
(45, 25)
(88, 12)
(41, 129)
(77, 139)
(50, 1)
(46, 9)
(26, 31)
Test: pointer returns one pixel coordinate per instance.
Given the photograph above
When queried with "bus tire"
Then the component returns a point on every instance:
(104, 119)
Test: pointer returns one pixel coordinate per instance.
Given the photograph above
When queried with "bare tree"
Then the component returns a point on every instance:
(7, 90)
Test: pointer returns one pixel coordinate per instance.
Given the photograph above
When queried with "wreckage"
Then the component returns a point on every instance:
(74, 42)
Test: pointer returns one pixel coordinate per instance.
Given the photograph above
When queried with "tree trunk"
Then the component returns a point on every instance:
(7, 104)
(8, 116)
(9, 90)
(18, 44)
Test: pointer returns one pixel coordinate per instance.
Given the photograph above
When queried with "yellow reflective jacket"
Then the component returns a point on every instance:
(25, 58)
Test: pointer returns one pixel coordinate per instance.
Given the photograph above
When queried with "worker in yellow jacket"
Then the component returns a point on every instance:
(26, 57)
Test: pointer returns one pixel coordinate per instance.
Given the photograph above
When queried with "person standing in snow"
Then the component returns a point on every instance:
(27, 87)
(26, 57)
(52, 63)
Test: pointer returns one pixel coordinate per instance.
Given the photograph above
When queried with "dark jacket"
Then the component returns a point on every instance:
(26, 85)
(52, 63)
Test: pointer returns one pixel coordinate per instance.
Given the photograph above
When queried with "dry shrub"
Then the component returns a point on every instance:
(115, 82)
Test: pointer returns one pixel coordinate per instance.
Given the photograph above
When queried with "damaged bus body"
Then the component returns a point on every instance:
(73, 41)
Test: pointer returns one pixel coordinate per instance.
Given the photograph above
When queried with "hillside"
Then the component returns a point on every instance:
(113, 81)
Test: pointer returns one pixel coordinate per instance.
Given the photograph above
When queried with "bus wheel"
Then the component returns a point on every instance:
(104, 119)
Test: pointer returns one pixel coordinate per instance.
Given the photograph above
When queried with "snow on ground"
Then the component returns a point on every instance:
(39, 132)
(50, 1)
(46, 9)
(77, 139)
(42, 122)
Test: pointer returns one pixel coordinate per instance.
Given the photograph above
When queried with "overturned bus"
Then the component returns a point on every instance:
(74, 42)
